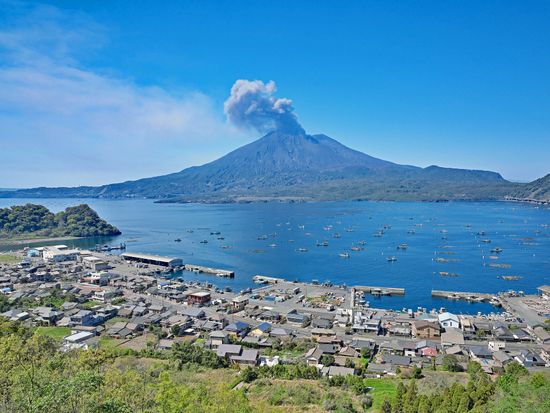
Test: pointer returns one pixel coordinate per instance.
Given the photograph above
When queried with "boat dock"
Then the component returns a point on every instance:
(460, 295)
(378, 291)
(209, 270)
(263, 279)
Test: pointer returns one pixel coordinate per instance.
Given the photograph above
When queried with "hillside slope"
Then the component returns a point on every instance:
(298, 166)
(538, 190)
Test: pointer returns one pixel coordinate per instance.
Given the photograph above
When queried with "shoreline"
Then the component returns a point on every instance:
(288, 200)
(18, 242)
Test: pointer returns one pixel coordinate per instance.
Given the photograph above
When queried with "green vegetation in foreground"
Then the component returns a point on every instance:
(37, 377)
(34, 221)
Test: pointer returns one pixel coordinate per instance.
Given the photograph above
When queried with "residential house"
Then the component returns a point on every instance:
(261, 330)
(198, 298)
(247, 357)
(228, 350)
(238, 328)
(478, 353)
(239, 303)
(451, 337)
(299, 319)
(321, 322)
(529, 359)
(425, 329)
(448, 320)
(217, 338)
(542, 335)
(333, 371)
(313, 356)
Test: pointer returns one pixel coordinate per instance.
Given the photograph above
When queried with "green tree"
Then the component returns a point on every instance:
(327, 360)
(450, 363)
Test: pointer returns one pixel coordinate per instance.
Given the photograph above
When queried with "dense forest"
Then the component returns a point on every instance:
(37, 377)
(37, 220)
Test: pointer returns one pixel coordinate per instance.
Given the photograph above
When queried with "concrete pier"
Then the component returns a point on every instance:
(209, 270)
(461, 295)
(381, 290)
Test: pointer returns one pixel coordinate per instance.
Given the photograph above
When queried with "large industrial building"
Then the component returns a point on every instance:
(152, 259)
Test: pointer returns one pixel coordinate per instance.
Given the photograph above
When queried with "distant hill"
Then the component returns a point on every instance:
(37, 220)
(298, 166)
(538, 190)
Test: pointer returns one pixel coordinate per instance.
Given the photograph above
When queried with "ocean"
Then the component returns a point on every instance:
(447, 244)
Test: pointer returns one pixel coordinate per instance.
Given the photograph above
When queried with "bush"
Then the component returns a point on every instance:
(366, 402)
(249, 375)
(450, 363)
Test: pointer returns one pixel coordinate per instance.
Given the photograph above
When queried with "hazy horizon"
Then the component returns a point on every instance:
(98, 93)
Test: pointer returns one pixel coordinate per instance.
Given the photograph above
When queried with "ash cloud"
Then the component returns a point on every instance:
(252, 105)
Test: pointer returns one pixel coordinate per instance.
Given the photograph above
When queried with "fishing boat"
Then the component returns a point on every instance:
(177, 240)
(497, 250)
(344, 255)
(362, 242)
(204, 241)
(391, 259)
(322, 244)
(486, 241)
(481, 233)
(336, 235)
(262, 237)
(411, 232)
(402, 246)
(260, 281)
(302, 250)
(357, 248)
(272, 245)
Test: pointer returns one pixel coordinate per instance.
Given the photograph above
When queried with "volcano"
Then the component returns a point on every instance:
(297, 166)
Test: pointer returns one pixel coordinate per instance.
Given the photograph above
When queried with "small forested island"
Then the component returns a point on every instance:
(32, 221)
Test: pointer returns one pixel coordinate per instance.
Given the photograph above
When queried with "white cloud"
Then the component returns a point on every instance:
(60, 116)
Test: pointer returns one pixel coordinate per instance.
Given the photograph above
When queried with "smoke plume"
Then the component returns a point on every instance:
(252, 105)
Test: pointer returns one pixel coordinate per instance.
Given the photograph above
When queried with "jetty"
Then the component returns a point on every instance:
(209, 270)
(378, 291)
(263, 279)
(461, 295)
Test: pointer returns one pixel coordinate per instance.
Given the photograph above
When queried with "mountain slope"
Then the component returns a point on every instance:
(538, 190)
(297, 166)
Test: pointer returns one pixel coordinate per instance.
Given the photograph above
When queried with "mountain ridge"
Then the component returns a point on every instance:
(297, 166)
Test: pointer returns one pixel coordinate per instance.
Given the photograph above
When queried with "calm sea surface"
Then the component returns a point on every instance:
(266, 239)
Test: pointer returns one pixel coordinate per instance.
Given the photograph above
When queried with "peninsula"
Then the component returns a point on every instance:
(30, 221)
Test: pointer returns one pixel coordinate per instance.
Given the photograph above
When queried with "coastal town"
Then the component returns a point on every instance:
(94, 299)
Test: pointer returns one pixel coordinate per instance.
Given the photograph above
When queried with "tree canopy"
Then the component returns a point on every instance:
(37, 220)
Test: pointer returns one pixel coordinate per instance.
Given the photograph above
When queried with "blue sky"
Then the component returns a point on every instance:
(98, 92)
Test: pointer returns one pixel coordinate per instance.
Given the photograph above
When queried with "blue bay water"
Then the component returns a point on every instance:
(441, 230)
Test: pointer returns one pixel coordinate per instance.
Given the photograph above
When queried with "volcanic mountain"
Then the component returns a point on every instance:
(297, 166)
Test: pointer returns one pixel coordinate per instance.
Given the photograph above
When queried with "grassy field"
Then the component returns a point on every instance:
(9, 259)
(109, 342)
(90, 304)
(382, 389)
(57, 333)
